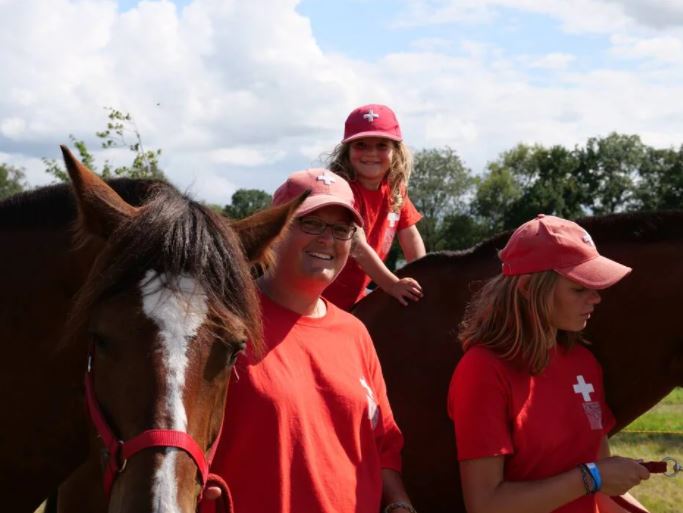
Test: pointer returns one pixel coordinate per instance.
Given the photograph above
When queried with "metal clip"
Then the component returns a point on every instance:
(676, 467)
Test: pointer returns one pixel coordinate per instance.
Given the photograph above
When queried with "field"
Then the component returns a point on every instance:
(656, 434)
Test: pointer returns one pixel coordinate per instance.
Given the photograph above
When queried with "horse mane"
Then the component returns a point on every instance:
(657, 226)
(174, 235)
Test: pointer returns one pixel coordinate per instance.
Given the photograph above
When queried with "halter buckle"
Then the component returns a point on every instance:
(675, 466)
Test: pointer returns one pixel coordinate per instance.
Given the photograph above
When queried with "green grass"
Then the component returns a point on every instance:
(659, 494)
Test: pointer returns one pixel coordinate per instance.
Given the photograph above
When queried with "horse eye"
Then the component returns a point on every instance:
(237, 349)
(100, 343)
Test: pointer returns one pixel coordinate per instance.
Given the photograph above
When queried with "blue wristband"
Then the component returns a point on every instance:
(595, 474)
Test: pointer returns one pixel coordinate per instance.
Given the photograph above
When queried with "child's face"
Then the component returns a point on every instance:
(572, 305)
(370, 158)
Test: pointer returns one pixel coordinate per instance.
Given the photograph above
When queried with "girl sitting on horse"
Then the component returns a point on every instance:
(527, 397)
(377, 164)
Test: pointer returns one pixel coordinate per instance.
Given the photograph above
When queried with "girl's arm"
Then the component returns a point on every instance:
(393, 491)
(411, 243)
(486, 491)
(372, 265)
(605, 503)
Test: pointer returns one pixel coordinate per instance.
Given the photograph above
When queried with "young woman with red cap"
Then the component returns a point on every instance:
(527, 397)
(377, 164)
(308, 426)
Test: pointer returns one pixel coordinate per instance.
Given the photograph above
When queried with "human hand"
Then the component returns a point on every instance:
(405, 288)
(620, 474)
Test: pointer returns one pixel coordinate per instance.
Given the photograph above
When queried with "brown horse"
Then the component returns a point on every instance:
(159, 288)
(636, 334)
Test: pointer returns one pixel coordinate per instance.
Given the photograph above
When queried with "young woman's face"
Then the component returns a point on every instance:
(314, 259)
(370, 158)
(572, 305)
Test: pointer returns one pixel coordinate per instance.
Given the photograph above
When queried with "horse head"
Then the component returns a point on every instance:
(167, 306)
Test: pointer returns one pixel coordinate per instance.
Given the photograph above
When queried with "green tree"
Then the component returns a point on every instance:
(526, 181)
(12, 180)
(245, 202)
(496, 192)
(120, 129)
(610, 167)
(660, 181)
(439, 188)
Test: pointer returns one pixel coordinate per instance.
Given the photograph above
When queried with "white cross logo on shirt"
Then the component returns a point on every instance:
(370, 115)
(583, 388)
(327, 179)
(373, 416)
(393, 219)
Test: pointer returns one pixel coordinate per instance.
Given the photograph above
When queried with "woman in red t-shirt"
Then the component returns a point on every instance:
(527, 397)
(374, 160)
(308, 426)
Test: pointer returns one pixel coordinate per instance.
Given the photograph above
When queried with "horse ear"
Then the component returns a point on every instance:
(100, 208)
(258, 231)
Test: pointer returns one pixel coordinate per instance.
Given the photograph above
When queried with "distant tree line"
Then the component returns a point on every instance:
(616, 173)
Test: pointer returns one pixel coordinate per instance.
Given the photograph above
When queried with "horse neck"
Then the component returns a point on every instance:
(636, 330)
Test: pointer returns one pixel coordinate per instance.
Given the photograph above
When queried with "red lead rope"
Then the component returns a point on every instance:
(119, 452)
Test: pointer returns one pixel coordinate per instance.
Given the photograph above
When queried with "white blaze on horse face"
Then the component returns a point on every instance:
(178, 314)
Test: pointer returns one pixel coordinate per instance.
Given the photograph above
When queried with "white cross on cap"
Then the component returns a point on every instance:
(587, 238)
(370, 115)
(325, 178)
(583, 388)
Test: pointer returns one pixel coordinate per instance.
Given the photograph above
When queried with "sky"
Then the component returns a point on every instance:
(238, 94)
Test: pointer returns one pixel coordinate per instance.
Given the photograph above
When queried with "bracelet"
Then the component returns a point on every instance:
(396, 505)
(588, 483)
(595, 474)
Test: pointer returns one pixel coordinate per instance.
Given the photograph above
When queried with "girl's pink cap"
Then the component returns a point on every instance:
(552, 243)
(326, 188)
(372, 120)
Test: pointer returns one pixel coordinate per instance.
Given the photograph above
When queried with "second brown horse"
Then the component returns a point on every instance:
(636, 333)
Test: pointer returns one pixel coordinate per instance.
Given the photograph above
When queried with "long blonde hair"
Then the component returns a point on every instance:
(397, 177)
(515, 323)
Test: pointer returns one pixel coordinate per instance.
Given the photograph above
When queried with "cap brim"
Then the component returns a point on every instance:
(372, 133)
(326, 200)
(597, 273)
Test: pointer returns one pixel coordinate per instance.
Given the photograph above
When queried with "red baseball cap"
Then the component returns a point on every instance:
(326, 188)
(372, 120)
(552, 243)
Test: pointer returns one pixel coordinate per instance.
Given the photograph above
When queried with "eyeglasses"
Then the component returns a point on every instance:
(316, 226)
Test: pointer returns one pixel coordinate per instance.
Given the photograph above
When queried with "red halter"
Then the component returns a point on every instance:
(119, 452)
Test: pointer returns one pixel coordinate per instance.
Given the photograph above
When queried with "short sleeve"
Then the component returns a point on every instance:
(479, 401)
(409, 214)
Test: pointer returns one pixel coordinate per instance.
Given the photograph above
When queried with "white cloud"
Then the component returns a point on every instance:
(239, 94)
(663, 49)
(243, 156)
(553, 61)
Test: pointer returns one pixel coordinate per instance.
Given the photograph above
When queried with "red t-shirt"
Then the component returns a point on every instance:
(308, 426)
(380, 225)
(544, 425)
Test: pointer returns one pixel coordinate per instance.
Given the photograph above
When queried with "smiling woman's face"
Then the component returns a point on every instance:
(572, 305)
(316, 259)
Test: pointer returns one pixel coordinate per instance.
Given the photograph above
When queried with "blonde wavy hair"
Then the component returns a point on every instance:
(397, 177)
(513, 323)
